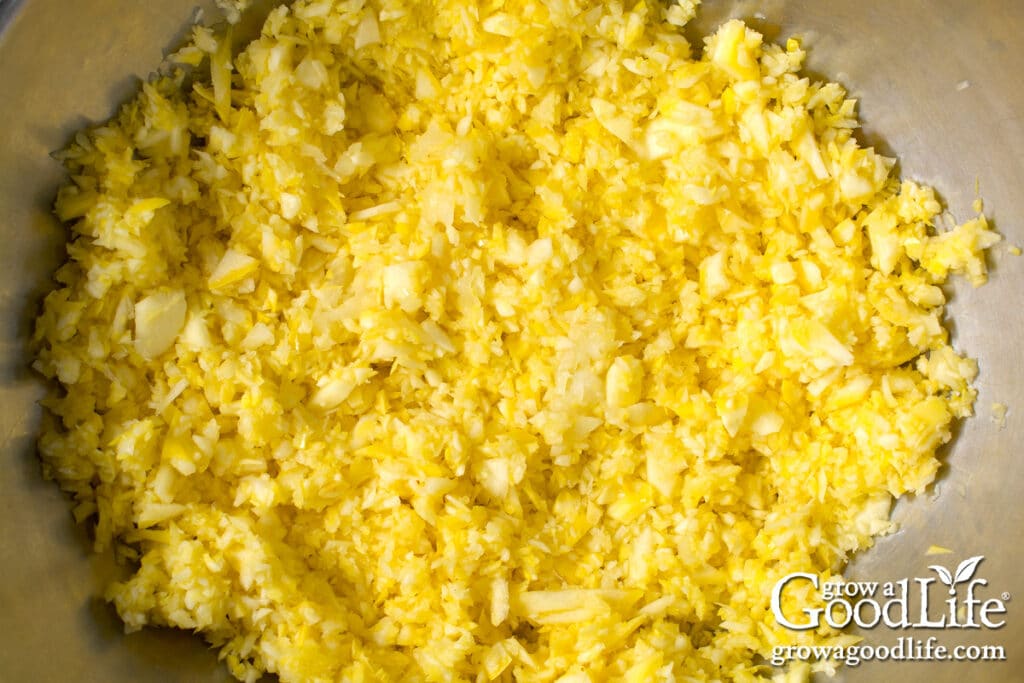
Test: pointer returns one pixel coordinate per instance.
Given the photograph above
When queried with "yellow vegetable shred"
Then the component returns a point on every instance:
(425, 340)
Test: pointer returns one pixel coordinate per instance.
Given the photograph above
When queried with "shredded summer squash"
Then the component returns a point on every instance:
(434, 340)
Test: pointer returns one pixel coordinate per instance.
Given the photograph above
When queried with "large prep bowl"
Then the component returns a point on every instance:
(941, 84)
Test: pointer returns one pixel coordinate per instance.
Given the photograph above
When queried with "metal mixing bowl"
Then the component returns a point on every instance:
(941, 84)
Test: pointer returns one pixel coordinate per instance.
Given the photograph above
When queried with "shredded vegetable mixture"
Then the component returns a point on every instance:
(433, 340)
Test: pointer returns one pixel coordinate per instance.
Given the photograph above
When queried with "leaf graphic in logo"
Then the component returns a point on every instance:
(964, 571)
(944, 576)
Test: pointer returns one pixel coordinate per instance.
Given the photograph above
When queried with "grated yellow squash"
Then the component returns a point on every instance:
(426, 340)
